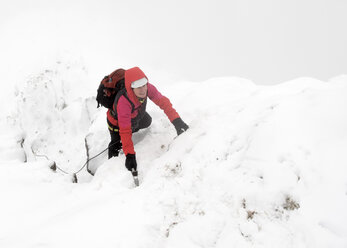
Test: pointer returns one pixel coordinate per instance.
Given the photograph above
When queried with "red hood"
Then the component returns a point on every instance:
(132, 75)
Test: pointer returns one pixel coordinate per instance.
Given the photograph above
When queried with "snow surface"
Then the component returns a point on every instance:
(260, 166)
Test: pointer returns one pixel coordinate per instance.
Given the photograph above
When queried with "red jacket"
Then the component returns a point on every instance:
(125, 108)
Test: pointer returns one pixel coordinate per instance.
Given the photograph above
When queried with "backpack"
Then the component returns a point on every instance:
(109, 87)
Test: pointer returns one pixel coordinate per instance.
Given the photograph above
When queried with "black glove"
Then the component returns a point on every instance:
(130, 162)
(180, 125)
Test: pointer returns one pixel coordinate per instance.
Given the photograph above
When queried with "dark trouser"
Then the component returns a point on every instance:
(115, 145)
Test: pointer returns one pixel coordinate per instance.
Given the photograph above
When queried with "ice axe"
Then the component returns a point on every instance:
(135, 176)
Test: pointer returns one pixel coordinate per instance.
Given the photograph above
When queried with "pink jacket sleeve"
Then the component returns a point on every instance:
(124, 122)
(162, 101)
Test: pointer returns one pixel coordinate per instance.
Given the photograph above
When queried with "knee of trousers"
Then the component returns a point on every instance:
(147, 121)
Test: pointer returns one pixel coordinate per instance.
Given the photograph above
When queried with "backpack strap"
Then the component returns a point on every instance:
(122, 92)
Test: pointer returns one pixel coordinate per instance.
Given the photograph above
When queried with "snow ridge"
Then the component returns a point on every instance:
(259, 167)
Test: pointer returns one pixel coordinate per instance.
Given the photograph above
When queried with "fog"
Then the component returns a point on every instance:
(267, 41)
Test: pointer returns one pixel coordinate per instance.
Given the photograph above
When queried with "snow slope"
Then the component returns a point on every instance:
(260, 166)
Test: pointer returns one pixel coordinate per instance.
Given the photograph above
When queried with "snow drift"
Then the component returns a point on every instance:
(260, 166)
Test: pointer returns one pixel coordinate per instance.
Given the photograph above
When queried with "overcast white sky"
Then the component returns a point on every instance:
(267, 41)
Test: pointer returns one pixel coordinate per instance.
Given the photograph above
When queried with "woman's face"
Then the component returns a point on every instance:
(141, 92)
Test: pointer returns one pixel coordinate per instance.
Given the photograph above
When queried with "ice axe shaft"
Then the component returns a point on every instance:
(135, 177)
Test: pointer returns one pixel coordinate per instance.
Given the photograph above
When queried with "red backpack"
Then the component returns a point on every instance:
(109, 87)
